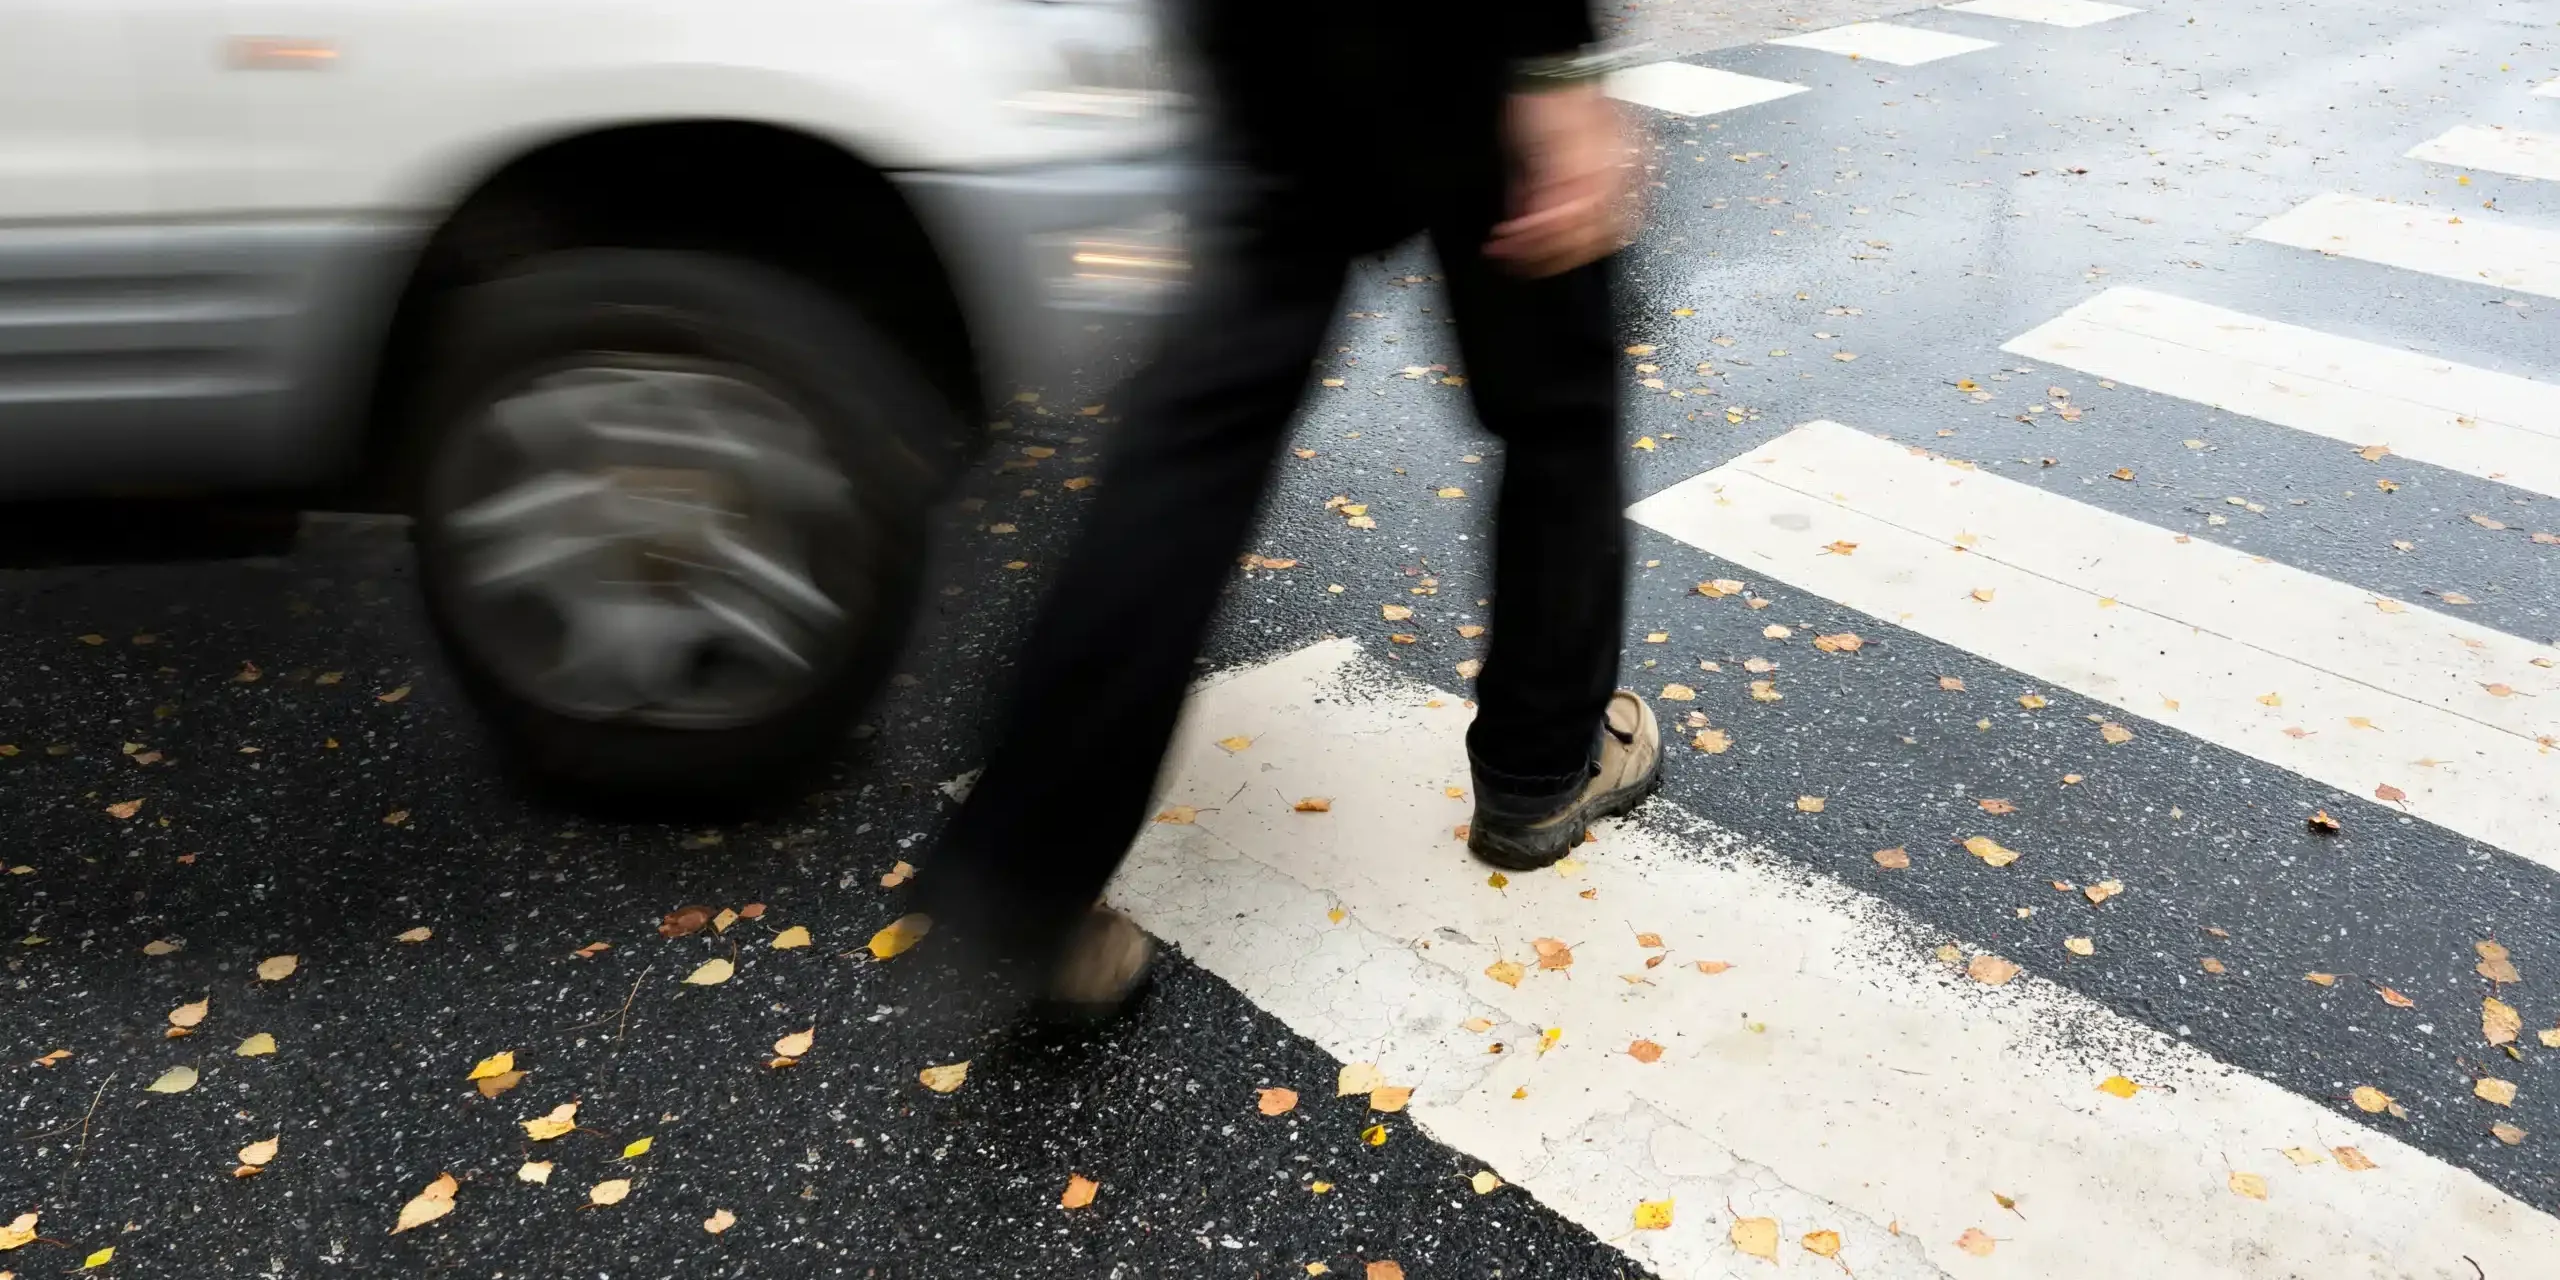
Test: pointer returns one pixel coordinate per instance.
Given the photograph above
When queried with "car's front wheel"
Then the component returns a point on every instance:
(670, 518)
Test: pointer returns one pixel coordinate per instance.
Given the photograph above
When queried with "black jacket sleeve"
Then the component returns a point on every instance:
(1545, 28)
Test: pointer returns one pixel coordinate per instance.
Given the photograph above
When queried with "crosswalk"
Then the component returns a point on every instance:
(1747, 1042)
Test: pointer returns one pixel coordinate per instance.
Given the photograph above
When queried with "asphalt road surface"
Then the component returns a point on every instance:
(2098, 568)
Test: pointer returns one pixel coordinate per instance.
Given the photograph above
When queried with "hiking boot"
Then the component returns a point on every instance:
(1524, 837)
(1101, 970)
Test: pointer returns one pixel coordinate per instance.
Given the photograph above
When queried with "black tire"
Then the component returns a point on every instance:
(876, 416)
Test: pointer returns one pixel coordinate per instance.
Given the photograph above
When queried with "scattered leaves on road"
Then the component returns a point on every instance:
(177, 1079)
(428, 1205)
(900, 934)
(712, 972)
(559, 1120)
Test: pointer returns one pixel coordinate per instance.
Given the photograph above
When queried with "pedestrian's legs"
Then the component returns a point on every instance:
(1075, 756)
(1540, 362)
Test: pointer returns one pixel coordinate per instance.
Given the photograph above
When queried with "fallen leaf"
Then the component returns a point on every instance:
(559, 1120)
(495, 1064)
(2506, 1133)
(898, 935)
(261, 1154)
(2369, 1099)
(1841, 548)
(1678, 693)
(1079, 1193)
(2389, 794)
(419, 934)
(1394, 612)
(2499, 1021)
(2115, 734)
(1990, 851)
(1470, 631)
(608, 1192)
(158, 947)
(2102, 891)
(1951, 684)
(124, 808)
(498, 1084)
(1756, 1236)
(1822, 1244)
(796, 1045)
(428, 1205)
(1484, 1182)
(256, 1046)
(188, 1015)
(795, 937)
(721, 922)
(2321, 821)
(1375, 1135)
(1713, 967)
(1766, 691)
(1997, 806)
(1553, 954)
(1382, 1271)
(1390, 1099)
(712, 972)
(2492, 1089)
(174, 1080)
(1893, 859)
(1506, 972)
(1990, 970)
(2080, 946)
(278, 968)
(1982, 594)
(2396, 1000)
(684, 921)
(393, 696)
(2494, 964)
(2119, 1087)
(1315, 804)
(1653, 1215)
(2322, 979)
(589, 951)
(1714, 742)
(1272, 1102)
(1809, 804)
(1358, 1077)
(944, 1079)
(1179, 815)
(98, 1259)
(2248, 1184)
(1845, 642)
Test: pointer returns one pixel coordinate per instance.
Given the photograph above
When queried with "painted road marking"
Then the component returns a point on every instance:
(2549, 89)
(2057, 13)
(1885, 42)
(1836, 1078)
(2183, 632)
(1686, 90)
(2440, 242)
(2495, 426)
(2520, 152)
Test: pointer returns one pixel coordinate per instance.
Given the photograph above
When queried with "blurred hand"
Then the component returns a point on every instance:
(1571, 203)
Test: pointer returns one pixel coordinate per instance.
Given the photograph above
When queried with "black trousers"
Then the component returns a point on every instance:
(1075, 757)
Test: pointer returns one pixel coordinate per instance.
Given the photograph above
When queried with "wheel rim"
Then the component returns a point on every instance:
(633, 538)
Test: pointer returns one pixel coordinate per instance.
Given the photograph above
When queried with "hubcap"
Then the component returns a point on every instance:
(631, 538)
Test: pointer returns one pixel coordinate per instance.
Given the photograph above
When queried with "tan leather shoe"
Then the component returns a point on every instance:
(1102, 969)
(1628, 769)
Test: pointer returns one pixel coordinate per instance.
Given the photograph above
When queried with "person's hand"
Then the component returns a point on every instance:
(1571, 202)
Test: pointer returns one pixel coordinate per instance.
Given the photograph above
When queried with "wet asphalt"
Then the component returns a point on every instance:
(1927, 214)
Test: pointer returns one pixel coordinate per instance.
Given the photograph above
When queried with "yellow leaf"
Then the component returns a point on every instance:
(1991, 970)
(21, 1232)
(278, 968)
(1394, 612)
(1894, 859)
(99, 1259)
(719, 1221)
(2115, 734)
(256, 1046)
(2369, 1099)
(712, 972)
(173, 1080)
(1990, 850)
(1498, 880)
(1453, 492)
(1506, 972)
(1713, 967)
(1315, 804)
(559, 1120)
(188, 1015)
(1357, 1077)
(2102, 890)
(1644, 1051)
(261, 1153)
(1079, 1193)
(2303, 1155)
(1822, 1244)
(2248, 1184)
(609, 1191)
(1982, 594)
(1484, 1182)
(1757, 1237)
(419, 934)
(792, 938)
(1645, 443)
(1234, 744)
(428, 1205)
(2493, 1090)
(1382, 1270)
(944, 1079)
(2499, 1020)
(1181, 815)
(1809, 804)
(1390, 1099)
(159, 947)
(1553, 953)
(1319, 1186)
(498, 1084)
(2032, 702)
(1678, 693)
(1973, 1241)
(2080, 946)
(496, 1064)
(721, 922)
(2352, 1160)
(393, 696)
(638, 1147)
(796, 1045)
(1375, 1135)
(1714, 742)
(1653, 1215)
(901, 933)
(2118, 1086)
(537, 1172)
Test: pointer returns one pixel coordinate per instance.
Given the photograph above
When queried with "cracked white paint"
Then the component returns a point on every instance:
(1836, 1078)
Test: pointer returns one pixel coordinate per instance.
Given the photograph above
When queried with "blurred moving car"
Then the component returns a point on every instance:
(665, 321)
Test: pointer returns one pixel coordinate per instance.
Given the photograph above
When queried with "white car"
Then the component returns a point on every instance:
(665, 320)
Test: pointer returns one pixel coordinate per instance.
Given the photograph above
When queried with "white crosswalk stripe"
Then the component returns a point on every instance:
(1832, 1079)
(2311, 675)
(2549, 89)
(2481, 423)
(2056, 13)
(2521, 152)
(1684, 89)
(1886, 42)
(2439, 242)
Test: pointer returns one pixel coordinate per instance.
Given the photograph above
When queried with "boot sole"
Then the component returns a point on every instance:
(1540, 847)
